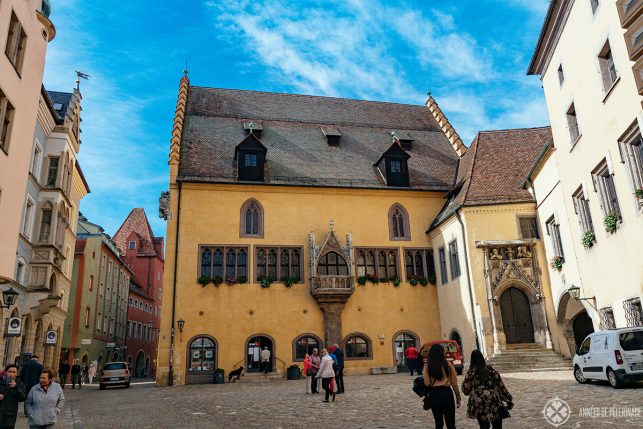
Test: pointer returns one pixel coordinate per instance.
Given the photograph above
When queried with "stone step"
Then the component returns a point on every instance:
(260, 376)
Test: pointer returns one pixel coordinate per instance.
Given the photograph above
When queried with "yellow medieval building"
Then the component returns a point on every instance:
(297, 222)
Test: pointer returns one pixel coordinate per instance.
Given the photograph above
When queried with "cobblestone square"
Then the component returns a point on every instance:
(384, 401)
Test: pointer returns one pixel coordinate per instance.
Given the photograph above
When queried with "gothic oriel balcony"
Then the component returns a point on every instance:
(332, 288)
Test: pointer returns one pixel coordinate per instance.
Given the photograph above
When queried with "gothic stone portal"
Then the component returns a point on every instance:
(516, 305)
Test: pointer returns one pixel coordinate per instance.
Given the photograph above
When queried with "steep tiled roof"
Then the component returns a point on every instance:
(298, 153)
(62, 99)
(138, 224)
(494, 169)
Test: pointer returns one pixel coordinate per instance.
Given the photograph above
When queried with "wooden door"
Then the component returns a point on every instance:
(516, 317)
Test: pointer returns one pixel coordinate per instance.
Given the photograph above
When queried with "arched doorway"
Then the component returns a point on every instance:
(401, 342)
(253, 353)
(455, 336)
(147, 365)
(582, 326)
(140, 364)
(516, 316)
(39, 341)
(202, 360)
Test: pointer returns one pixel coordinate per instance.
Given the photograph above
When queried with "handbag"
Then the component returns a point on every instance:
(503, 412)
(427, 398)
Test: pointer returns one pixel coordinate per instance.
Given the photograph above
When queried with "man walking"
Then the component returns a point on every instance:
(265, 360)
(75, 375)
(30, 374)
(63, 372)
(411, 355)
(339, 376)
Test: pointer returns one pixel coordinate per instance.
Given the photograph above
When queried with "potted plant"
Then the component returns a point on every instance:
(372, 278)
(361, 280)
(265, 281)
(242, 280)
(219, 376)
(395, 281)
(431, 279)
(423, 281)
(557, 262)
(288, 281)
(413, 281)
(217, 280)
(293, 372)
(204, 280)
(588, 239)
(230, 281)
(610, 222)
(639, 196)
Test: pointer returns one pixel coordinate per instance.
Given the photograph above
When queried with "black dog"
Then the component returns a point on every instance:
(236, 373)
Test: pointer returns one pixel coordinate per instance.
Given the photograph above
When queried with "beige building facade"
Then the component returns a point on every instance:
(589, 186)
(25, 31)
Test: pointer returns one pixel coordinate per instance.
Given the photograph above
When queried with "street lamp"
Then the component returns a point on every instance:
(8, 298)
(180, 324)
(574, 291)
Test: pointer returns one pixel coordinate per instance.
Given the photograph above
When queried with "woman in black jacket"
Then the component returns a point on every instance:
(12, 391)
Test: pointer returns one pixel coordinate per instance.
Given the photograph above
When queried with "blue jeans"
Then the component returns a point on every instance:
(412, 364)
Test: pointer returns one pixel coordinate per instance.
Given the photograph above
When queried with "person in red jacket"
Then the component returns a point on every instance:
(411, 355)
(308, 373)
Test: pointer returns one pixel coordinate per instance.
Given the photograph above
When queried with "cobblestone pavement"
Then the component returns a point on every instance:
(384, 401)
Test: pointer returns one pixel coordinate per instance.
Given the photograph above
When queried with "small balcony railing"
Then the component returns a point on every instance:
(332, 283)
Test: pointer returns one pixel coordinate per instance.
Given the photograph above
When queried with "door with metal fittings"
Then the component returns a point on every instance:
(516, 317)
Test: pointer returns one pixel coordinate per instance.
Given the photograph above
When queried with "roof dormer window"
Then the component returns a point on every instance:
(250, 156)
(406, 141)
(255, 128)
(250, 159)
(394, 166)
(332, 135)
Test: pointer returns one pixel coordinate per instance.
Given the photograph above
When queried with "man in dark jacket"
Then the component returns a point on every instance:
(12, 391)
(75, 375)
(30, 374)
(63, 372)
(339, 377)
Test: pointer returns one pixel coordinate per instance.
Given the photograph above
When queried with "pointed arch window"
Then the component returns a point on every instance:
(398, 223)
(251, 219)
(332, 264)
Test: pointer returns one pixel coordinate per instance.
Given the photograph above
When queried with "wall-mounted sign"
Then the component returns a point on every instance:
(51, 337)
(85, 340)
(14, 325)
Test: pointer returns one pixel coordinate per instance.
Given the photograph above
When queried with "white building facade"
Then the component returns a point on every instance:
(590, 205)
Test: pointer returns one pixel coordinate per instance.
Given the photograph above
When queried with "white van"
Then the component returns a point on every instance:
(615, 355)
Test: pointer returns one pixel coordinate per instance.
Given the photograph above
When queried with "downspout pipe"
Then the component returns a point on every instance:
(466, 262)
(176, 259)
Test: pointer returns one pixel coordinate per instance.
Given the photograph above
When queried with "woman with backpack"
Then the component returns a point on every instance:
(440, 379)
(489, 399)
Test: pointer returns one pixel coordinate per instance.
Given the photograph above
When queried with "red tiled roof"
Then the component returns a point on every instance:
(494, 169)
(501, 162)
(138, 224)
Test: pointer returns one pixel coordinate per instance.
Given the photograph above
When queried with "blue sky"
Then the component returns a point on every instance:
(471, 54)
